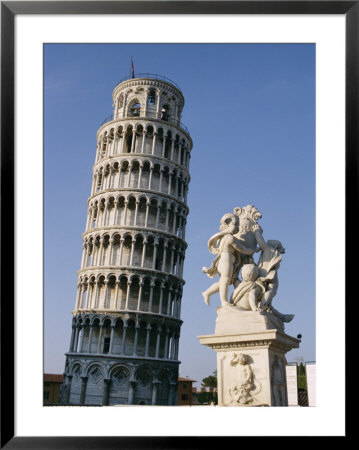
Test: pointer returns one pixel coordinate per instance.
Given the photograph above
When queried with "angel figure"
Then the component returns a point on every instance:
(228, 250)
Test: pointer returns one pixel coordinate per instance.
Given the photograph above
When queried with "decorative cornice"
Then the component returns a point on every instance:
(110, 159)
(138, 230)
(145, 191)
(124, 270)
(145, 119)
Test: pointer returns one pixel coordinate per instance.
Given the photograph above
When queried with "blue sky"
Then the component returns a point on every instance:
(250, 110)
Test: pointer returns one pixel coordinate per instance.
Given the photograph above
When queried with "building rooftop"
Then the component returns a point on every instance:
(186, 379)
(55, 378)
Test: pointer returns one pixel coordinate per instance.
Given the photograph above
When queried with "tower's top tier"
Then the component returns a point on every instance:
(148, 96)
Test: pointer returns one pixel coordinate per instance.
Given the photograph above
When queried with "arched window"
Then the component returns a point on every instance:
(152, 97)
(135, 110)
(165, 112)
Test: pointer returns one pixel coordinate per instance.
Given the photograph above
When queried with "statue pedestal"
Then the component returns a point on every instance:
(251, 348)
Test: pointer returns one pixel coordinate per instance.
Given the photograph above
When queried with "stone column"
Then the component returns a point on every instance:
(154, 255)
(172, 149)
(163, 146)
(129, 282)
(158, 215)
(170, 293)
(152, 285)
(125, 212)
(112, 337)
(124, 106)
(106, 391)
(147, 340)
(116, 293)
(90, 339)
(95, 300)
(79, 291)
(158, 342)
(139, 295)
(143, 253)
(172, 338)
(166, 343)
(133, 140)
(174, 222)
(82, 332)
(68, 390)
(139, 176)
(99, 260)
(78, 327)
(123, 348)
(136, 213)
(110, 252)
(129, 175)
(150, 178)
(132, 251)
(176, 187)
(155, 386)
(169, 183)
(71, 349)
(147, 211)
(161, 297)
(84, 253)
(167, 218)
(83, 389)
(176, 346)
(161, 179)
(131, 393)
(172, 394)
(143, 140)
(99, 339)
(153, 143)
(122, 141)
(164, 257)
(104, 301)
(136, 340)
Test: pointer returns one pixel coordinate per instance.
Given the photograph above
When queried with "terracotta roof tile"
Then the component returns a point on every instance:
(55, 378)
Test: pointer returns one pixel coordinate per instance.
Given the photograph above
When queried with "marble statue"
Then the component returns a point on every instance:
(239, 238)
(228, 250)
(249, 336)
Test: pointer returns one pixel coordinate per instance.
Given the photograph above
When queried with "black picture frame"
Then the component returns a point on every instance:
(9, 9)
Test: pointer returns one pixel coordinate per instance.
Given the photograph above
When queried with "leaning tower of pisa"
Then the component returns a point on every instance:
(126, 322)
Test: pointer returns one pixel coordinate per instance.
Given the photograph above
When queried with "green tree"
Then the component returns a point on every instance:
(210, 381)
(302, 379)
(209, 397)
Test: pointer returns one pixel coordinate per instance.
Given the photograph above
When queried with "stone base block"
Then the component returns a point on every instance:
(233, 320)
(251, 367)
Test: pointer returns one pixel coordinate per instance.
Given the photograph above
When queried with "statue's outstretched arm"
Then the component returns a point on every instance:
(241, 248)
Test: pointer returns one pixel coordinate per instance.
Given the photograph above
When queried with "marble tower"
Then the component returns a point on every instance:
(126, 322)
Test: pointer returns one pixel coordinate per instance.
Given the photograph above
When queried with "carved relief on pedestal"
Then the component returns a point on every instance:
(243, 385)
(278, 381)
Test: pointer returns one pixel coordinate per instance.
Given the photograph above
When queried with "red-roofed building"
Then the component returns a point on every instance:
(184, 395)
(52, 383)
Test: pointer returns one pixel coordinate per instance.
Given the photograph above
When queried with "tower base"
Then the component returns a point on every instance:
(250, 358)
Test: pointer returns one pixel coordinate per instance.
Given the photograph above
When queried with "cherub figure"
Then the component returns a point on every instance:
(268, 264)
(251, 291)
(228, 250)
(249, 232)
(240, 390)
